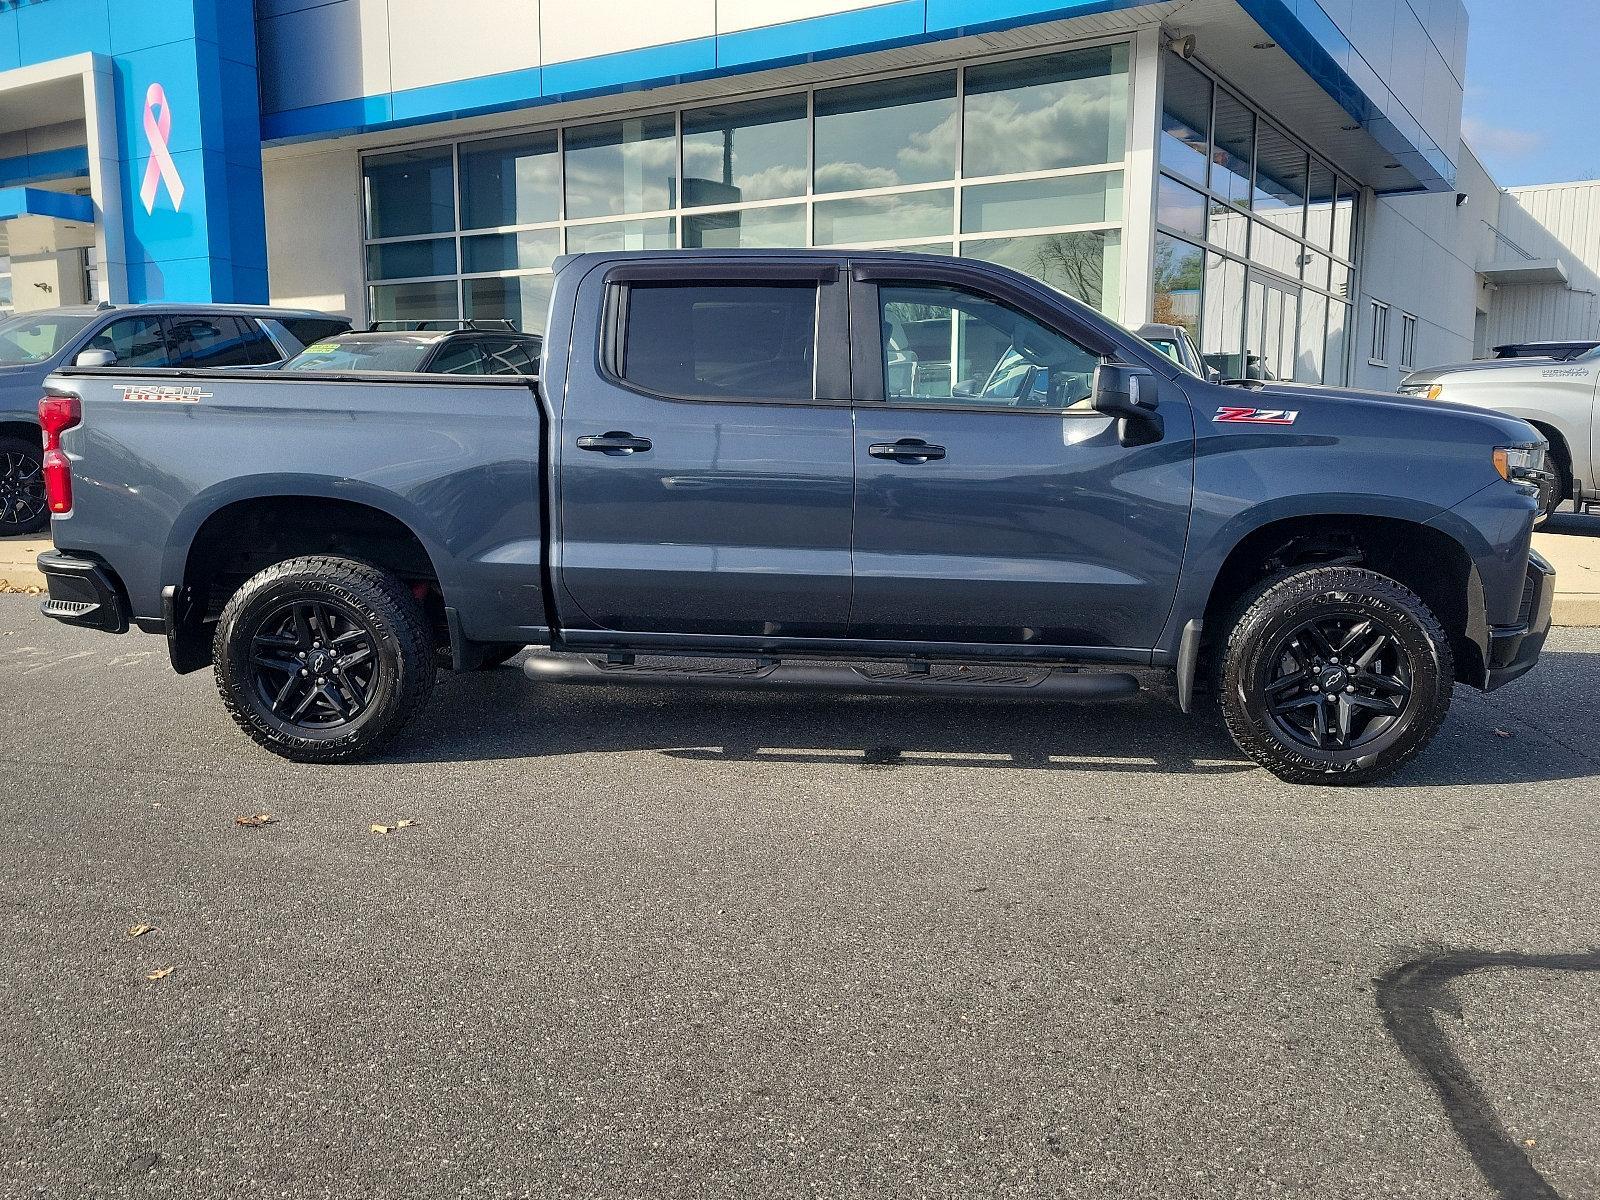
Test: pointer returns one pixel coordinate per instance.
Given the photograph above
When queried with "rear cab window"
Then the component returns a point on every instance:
(721, 339)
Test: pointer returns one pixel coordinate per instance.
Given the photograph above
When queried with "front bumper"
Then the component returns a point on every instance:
(1513, 649)
(82, 592)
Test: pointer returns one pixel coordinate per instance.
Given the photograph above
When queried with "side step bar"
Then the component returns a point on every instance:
(1027, 683)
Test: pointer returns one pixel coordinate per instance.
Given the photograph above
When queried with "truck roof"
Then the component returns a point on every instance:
(167, 306)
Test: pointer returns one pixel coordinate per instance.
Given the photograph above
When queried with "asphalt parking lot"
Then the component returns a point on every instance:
(664, 944)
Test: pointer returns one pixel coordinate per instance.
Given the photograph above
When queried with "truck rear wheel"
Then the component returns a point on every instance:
(1335, 675)
(323, 659)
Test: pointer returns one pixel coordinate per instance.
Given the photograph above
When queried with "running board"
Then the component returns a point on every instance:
(1032, 683)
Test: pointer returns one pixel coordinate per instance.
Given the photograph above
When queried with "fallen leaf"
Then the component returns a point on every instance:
(141, 930)
(162, 973)
(404, 824)
(1502, 733)
(252, 822)
(380, 829)
(1529, 1142)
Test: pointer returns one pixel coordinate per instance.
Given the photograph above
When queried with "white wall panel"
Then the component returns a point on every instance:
(440, 41)
(314, 246)
(331, 52)
(734, 15)
(574, 29)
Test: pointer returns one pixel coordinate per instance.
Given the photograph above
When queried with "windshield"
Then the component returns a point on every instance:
(380, 354)
(33, 338)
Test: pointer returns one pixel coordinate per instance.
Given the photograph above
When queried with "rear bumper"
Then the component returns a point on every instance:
(1513, 649)
(83, 592)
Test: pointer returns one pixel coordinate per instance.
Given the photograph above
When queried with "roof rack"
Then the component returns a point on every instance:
(498, 325)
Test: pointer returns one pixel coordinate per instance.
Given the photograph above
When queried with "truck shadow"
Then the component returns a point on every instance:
(501, 715)
(1412, 998)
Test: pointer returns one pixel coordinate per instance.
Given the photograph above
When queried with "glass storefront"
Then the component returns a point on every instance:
(1017, 161)
(1256, 237)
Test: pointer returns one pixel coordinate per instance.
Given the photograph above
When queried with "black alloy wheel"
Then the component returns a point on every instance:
(315, 664)
(1333, 675)
(1338, 683)
(22, 499)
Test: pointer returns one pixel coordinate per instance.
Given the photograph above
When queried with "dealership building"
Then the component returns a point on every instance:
(1285, 177)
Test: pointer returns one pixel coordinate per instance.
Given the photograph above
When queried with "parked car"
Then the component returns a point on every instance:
(726, 459)
(33, 344)
(1556, 397)
(464, 351)
(1563, 351)
(1174, 341)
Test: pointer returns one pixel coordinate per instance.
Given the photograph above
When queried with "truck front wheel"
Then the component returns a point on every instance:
(1334, 675)
(323, 659)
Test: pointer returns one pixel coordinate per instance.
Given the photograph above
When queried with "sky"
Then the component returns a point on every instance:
(1533, 89)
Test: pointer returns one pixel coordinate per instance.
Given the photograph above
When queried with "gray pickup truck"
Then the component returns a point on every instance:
(875, 472)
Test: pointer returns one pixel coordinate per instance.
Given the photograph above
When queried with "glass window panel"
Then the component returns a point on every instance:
(524, 300)
(884, 218)
(624, 166)
(136, 341)
(1186, 121)
(1228, 228)
(746, 228)
(1038, 114)
(735, 341)
(1319, 216)
(945, 248)
(1230, 161)
(1222, 322)
(510, 251)
(1274, 250)
(741, 152)
(1338, 342)
(1181, 208)
(1281, 179)
(886, 134)
(1040, 203)
(657, 233)
(1339, 280)
(1179, 278)
(413, 302)
(949, 344)
(1316, 266)
(410, 192)
(1344, 221)
(510, 181)
(1087, 266)
(411, 260)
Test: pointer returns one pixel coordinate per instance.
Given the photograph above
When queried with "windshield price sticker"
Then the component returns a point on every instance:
(153, 394)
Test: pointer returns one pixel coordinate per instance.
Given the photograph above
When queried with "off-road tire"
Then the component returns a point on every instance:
(401, 640)
(22, 462)
(1277, 607)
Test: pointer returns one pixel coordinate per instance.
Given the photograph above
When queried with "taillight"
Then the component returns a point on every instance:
(56, 415)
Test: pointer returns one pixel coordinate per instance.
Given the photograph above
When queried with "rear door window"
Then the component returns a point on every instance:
(506, 357)
(136, 341)
(215, 341)
(721, 340)
(460, 358)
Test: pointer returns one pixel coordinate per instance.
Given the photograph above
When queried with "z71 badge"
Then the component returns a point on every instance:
(152, 394)
(1256, 416)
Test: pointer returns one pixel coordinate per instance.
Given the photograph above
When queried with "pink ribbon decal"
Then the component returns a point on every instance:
(157, 128)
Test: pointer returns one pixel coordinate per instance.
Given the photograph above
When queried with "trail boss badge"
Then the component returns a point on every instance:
(1256, 416)
(151, 394)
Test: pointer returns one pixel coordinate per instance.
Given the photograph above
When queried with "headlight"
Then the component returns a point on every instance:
(1520, 464)
(1431, 391)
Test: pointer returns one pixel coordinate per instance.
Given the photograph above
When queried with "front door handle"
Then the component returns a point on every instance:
(614, 442)
(906, 450)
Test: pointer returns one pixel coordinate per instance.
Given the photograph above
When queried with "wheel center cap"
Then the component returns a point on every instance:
(318, 661)
(1332, 679)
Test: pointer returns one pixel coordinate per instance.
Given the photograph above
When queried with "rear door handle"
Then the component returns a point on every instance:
(614, 442)
(906, 450)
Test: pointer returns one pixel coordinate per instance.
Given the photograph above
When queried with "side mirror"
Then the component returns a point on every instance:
(1129, 394)
(95, 358)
